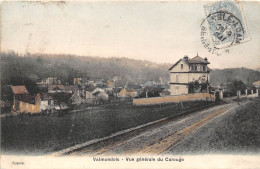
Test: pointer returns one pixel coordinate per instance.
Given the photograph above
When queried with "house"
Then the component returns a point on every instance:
(47, 102)
(41, 83)
(100, 83)
(27, 104)
(89, 97)
(48, 81)
(76, 99)
(109, 83)
(186, 71)
(52, 81)
(56, 89)
(116, 90)
(19, 91)
(71, 88)
(95, 95)
(109, 90)
(77, 81)
(23, 102)
(127, 92)
(100, 96)
(256, 84)
(89, 82)
(116, 78)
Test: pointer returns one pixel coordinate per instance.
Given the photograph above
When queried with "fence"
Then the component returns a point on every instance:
(174, 99)
(247, 93)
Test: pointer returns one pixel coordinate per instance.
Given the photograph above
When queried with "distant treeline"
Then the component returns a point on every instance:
(27, 69)
(226, 76)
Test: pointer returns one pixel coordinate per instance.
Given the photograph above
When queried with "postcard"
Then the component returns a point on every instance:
(130, 84)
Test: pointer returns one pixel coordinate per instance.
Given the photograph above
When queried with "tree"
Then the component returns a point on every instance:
(150, 92)
(194, 87)
(236, 85)
(60, 98)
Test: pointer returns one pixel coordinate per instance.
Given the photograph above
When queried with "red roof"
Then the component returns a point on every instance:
(61, 87)
(19, 90)
(130, 90)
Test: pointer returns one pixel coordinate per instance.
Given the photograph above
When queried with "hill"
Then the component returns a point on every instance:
(17, 69)
(223, 76)
(27, 69)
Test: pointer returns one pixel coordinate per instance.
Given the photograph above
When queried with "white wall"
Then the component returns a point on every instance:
(183, 77)
(177, 68)
(89, 95)
(44, 104)
(178, 89)
(187, 77)
(196, 76)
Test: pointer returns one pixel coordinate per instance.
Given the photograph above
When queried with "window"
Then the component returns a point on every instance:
(177, 78)
(193, 67)
(204, 68)
(181, 66)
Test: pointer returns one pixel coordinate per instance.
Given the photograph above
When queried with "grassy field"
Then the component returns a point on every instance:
(243, 129)
(45, 134)
(237, 132)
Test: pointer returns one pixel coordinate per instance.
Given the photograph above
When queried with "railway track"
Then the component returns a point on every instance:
(100, 146)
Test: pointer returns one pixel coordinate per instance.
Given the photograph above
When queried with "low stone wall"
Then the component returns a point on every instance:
(253, 95)
(174, 99)
(246, 95)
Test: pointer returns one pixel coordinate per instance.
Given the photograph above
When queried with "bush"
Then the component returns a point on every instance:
(194, 87)
(229, 94)
(236, 85)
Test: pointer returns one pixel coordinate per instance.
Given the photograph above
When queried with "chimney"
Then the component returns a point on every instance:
(186, 58)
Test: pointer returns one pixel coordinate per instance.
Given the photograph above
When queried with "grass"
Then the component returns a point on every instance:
(45, 134)
(243, 129)
(232, 133)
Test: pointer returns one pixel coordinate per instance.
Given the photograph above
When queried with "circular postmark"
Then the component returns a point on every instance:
(221, 30)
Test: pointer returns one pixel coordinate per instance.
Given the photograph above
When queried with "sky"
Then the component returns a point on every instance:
(161, 32)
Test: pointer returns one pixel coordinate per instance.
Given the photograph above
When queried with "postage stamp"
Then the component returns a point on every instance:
(223, 27)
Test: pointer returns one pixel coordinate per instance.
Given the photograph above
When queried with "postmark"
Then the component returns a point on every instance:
(223, 27)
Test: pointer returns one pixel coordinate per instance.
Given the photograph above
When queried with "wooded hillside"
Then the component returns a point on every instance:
(27, 69)
(224, 76)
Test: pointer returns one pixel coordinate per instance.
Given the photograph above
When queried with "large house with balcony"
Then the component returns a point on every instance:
(186, 71)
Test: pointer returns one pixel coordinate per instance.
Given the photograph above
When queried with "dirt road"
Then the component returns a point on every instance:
(160, 139)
